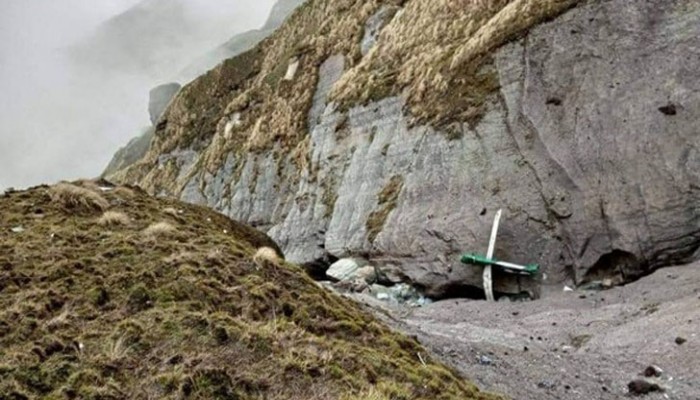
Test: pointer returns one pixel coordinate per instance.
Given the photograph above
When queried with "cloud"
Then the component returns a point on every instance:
(58, 121)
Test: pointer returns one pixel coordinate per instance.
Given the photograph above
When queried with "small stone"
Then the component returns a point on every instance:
(367, 274)
(680, 340)
(342, 270)
(640, 387)
(669, 109)
(653, 371)
(483, 360)
(383, 296)
(548, 385)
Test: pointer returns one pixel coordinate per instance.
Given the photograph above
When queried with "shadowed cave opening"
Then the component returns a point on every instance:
(317, 268)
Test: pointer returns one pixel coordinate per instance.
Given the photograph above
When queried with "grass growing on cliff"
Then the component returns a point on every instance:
(96, 311)
(434, 52)
(387, 201)
(437, 53)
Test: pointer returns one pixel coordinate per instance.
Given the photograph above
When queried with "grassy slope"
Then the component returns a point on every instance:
(120, 295)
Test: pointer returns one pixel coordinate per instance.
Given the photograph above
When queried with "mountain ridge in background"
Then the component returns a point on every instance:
(137, 147)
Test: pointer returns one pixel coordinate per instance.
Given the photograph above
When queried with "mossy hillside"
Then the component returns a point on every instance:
(118, 295)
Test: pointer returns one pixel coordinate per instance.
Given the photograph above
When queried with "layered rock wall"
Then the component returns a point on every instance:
(590, 146)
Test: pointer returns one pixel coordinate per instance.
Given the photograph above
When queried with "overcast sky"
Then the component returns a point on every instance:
(59, 123)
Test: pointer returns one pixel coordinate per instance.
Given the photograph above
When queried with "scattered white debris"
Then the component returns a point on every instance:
(483, 360)
(234, 122)
(106, 189)
(18, 229)
(568, 289)
(383, 296)
(292, 69)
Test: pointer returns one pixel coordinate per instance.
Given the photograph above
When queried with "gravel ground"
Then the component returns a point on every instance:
(571, 345)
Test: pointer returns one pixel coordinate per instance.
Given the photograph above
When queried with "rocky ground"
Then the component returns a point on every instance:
(571, 345)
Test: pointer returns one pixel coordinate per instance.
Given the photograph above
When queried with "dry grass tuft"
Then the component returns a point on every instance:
(114, 218)
(75, 198)
(387, 201)
(124, 192)
(434, 51)
(266, 254)
(160, 229)
(183, 257)
(172, 211)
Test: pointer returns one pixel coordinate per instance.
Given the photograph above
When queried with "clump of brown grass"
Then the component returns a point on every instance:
(124, 192)
(171, 211)
(266, 254)
(114, 218)
(387, 201)
(89, 184)
(434, 51)
(76, 198)
(159, 229)
(183, 257)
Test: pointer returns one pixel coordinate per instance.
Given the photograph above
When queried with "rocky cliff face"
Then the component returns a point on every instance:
(395, 129)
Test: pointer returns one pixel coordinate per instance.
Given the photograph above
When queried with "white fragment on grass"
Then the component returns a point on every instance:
(18, 229)
(421, 360)
(292, 69)
(568, 289)
(234, 122)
